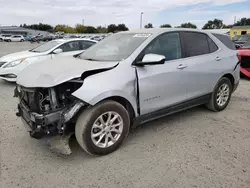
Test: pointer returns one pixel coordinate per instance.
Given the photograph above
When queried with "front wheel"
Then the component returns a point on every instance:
(221, 95)
(101, 129)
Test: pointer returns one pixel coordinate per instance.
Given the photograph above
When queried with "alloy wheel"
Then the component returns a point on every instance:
(107, 129)
(222, 94)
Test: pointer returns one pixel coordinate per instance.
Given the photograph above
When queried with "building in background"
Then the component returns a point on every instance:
(240, 30)
(14, 30)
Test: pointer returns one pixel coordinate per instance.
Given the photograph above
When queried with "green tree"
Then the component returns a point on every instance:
(101, 29)
(112, 28)
(188, 25)
(213, 24)
(243, 21)
(149, 25)
(65, 28)
(122, 27)
(166, 26)
(79, 28)
(90, 29)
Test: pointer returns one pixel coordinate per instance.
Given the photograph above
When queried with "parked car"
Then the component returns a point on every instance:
(244, 55)
(242, 40)
(12, 64)
(126, 79)
(48, 38)
(236, 37)
(3, 37)
(16, 38)
(28, 38)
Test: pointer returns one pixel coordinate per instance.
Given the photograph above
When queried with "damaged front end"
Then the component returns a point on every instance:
(50, 112)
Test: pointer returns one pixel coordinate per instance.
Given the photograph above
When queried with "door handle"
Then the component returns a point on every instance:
(217, 58)
(181, 66)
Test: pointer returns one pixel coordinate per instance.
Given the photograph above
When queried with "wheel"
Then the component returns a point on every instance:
(21, 40)
(221, 95)
(101, 129)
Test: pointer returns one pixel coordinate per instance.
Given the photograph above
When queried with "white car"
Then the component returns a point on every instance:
(14, 38)
(4, 36)
(12, 64)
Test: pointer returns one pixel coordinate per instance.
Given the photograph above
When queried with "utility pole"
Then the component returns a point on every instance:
(234, 19)
(83, 22)
(141, 20)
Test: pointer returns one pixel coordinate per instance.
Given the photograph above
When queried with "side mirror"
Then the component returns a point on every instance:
(58, 51)
(152, 59)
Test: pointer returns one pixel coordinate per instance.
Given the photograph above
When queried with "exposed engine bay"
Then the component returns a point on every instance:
(49, 111)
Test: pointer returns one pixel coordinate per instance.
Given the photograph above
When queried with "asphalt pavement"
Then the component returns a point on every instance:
(196, 148)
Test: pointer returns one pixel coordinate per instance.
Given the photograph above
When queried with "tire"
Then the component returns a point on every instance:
(21, 40)
(213, 104)
(85, 122)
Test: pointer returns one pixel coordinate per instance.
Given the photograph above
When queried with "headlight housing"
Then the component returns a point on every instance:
(14, 63)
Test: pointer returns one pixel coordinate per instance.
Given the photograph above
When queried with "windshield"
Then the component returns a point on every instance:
(246, 45)
(236, 37)
(45, 47)
(115, 47)
(244, 38)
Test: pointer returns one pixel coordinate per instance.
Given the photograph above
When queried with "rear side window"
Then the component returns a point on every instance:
(195, 44)
(212, 46)
(86, 44)
(225, 40)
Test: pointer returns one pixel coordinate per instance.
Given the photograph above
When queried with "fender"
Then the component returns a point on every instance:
(101, 86)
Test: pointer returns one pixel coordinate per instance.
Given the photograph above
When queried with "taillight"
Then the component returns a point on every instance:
(239, 56)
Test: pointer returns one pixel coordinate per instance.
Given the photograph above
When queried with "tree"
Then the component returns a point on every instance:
(149, 25)
(115, 28)
(90, 29)
(79, 28)
(40, 26)
(101, 29)
(65, 28)
(166, 26)
(112, 28)
(122, 27)
(187, 25)
(243, 21)
(213, 24)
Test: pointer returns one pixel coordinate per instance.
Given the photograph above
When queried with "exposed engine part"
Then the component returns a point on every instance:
(72, 111)
(53, 99)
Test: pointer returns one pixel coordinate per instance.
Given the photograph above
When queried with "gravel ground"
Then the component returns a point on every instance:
(195, 148)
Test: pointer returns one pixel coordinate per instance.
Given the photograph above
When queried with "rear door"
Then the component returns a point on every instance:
(202, 60)
(162, 85)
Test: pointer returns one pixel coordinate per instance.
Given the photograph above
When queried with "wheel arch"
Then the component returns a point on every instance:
(230, 77)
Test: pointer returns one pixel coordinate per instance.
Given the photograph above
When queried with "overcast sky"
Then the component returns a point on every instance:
(104, 12)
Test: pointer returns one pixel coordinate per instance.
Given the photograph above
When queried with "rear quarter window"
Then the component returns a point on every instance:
(225, 40)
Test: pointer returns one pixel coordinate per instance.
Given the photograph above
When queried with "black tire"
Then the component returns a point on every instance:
(21, 40)
(213, 104)
(85, 123)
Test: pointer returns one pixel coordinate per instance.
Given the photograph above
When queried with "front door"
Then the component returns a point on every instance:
(162, 85)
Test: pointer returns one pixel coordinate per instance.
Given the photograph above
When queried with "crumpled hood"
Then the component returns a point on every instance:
(18, 55)
(52, 72)
(244, 52)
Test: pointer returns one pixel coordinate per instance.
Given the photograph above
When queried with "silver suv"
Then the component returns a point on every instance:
(127, 79)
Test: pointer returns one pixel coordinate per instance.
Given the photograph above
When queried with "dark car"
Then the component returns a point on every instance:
(48, 38)
(241, 40)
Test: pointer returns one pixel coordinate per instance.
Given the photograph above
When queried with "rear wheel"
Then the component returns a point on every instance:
(101, 129)
(221, 95)
(21, 40)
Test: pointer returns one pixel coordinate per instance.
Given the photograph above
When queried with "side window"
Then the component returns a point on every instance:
(70, 46)
(225, 40)
(212, 46)
(86, 44)
(195, 44)
(167, 44)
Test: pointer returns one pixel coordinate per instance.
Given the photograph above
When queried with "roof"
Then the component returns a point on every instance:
(74, 39)
(156, 31)
(241, 27)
